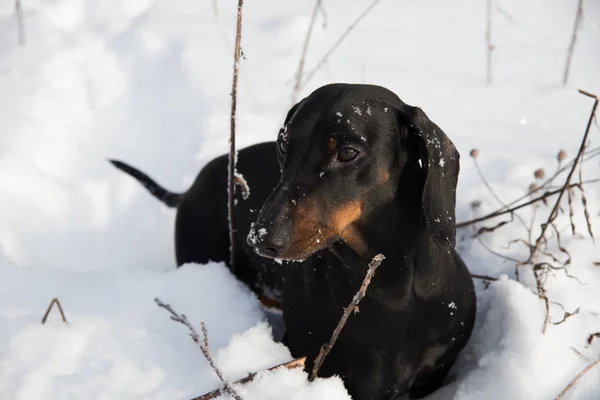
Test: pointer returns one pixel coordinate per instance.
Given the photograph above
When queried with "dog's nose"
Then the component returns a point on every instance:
(267, 243)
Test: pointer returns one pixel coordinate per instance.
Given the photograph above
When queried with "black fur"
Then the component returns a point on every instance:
(419, 310)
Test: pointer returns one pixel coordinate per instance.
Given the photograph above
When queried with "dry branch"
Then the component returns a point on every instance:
(338, 42)
(591, 338)
(566, 316)
(297, 363)
(578, 377)
(326, 348)
(595, 152)
(60, 309)
(20, 24)
(554, 212)
(483, 277)
(586, 212)
(488, 40)
(515, 208)
(300, 71)
(578, 19)
(202, 343)
(232, 152)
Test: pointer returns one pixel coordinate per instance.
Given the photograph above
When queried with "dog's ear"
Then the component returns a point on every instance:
(291, 112)
(440, 162)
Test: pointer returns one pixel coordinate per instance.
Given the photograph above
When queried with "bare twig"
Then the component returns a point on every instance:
(326, 348)
(297, 363)
(591, 338)
(202, 343)
(324, 14)
(574, 35)
(338, 42)
(232, 151)
(545, 185)
(571, 212)
(20, 24)
(578, 377)
(586, 212)
(554, 212)
(566, 316)
(488, 40)
(506, 14)
(483, 277)
(540, 276)
(300, 70)
(498, 213)
(488, 229)
(60, 309)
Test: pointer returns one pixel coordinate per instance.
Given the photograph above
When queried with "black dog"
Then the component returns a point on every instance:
(201, 224)
(362, 173)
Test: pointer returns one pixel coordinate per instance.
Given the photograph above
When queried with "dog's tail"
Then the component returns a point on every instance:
(169, 198)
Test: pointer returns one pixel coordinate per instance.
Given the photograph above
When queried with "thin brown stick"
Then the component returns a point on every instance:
(232, 152)
(578, 377)
(297, 363)
(586, 212)
(574, 35)
(554, 212)
(515, 208)
(483, 277)
(591, 338)
(571, 212)
(202, 343)
(20, 24)
(326, 348)
(300, 70)
(488, 40)
(540, 276)
(60, 310)
(489, 188)
(338, 42)
(502, 210)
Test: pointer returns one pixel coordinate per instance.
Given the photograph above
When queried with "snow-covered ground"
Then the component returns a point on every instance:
(148, 81)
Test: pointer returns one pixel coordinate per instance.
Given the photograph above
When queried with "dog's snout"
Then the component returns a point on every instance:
(268, 241)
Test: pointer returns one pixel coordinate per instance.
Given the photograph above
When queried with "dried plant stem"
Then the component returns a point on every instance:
(578, 19)
(489, 187)
(60, 310)
(577, 378)
(202, 343)
(20, 24)
(484, 277)
(540, 276)
(515, 208)
(554, 212)
(488, 39)
(586, 212)
(300, 70)
(571, 212)
(326, 348)
(297, 363)
(503, 210)
(338, 42)
(232, 152)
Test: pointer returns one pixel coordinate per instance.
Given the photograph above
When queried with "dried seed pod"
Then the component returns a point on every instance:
(533, 187)
(562, 154)
(539, 173)
(474, 153)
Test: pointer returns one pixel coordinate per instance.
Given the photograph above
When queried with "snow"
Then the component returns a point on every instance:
(148, 82)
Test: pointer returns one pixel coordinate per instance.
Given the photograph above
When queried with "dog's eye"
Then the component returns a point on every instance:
(282, 146)
(347, 154)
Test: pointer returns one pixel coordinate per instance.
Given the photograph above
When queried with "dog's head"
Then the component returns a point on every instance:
(342, 152)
